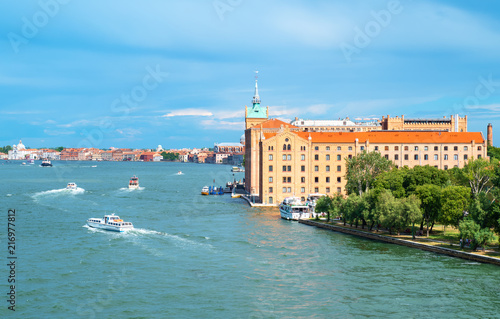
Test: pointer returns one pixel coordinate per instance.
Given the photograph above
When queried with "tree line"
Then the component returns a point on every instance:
(381, 195)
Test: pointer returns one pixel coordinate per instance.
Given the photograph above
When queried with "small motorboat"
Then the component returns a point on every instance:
(46, 163)
(205, 191)
(110, 222)
(71, 186)
(31, 161)
(180, 173)
(134, 182)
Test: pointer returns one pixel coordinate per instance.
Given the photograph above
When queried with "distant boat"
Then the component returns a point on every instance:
(94, 165)
(180, 173)
(110, 222)
(71, 186)
(134, 182)
(31, 161)
(205, 191)
(46, 163)
(237, 169)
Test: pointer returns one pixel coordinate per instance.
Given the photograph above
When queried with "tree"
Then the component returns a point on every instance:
(479, 173)
(469, 229)
(59, 149)
(430, 197)
(170, 156)
(494, 152)
(411, 211)
(392, 180)
(367, 208)
(332, 206)
(5, 149)
(454, 201)
(389, 209)
(352, 209)
(363, 169)
(421, 175)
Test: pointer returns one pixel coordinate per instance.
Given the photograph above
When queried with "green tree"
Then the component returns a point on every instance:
(494, 152)
(469, 229)
(6, 149)
(430, 197)
(392, 180)
(478, 173)
(421, 175)
(332, 206)
(411, 211)
(367, 208)
(170, 156)
(363, 169)
(454, 201)
(351, 209)
(389, 209)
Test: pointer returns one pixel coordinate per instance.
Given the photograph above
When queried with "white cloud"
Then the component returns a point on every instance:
(223, 125)
(58, 132)
(188, 112)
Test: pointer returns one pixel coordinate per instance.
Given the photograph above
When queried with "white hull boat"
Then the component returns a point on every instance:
(110, 222)
(293, 209)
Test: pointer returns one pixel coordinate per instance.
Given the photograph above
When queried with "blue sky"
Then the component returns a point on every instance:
(179, 73)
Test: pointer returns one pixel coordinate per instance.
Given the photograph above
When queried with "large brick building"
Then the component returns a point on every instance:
(283, 160)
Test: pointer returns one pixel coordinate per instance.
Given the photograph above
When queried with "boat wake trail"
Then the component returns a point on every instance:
(60, 192)
(126, 189)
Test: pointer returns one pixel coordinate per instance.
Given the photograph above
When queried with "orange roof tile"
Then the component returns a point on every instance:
(274, 123)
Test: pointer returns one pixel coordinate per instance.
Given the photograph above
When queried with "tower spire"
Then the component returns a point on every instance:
(256, 98)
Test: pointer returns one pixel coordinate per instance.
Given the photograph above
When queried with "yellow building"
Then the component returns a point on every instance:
(454, 123)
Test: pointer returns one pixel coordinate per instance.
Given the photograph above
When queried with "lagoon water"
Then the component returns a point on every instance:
(194, 256)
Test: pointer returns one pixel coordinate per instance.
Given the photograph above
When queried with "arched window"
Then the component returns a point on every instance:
(284, 147)
(289, 147)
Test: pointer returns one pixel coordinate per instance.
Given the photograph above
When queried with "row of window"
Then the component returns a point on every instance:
(302, 190)
(288, 179)
(288, 147)
(426, 157)
(288, 168)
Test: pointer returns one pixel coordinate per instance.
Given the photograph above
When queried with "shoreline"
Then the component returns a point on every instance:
(404, 242)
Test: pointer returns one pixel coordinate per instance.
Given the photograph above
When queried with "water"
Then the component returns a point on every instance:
(194, 256)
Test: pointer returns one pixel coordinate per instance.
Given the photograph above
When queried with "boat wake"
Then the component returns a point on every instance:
(60, 192)
(126, 189)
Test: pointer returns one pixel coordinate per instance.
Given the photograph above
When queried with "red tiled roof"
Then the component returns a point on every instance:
(274, 123)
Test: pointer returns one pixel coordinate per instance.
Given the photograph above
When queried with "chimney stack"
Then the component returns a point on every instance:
(489, 135)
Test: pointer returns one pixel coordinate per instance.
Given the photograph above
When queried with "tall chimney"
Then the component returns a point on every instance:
(489, 135)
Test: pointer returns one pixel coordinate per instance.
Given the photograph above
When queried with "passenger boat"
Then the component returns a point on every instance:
(46, 163)
(71, 186)
(292, 208)
(205, 191)
(134, 182)
(110, 222)
(311, 202)
(236, 169)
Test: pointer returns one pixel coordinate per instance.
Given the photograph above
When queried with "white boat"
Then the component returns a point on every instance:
(311, 202)
(110, 222)
(292, 208)
(179, 173)
(205, 191)
(237, 169)
(71, 186)
(31, 161)
(134, 182)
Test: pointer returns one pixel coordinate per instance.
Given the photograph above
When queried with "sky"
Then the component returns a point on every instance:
(138, 74)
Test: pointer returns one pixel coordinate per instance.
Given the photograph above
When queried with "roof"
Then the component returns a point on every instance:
(414, 137)
(229, 144)
(274, 123)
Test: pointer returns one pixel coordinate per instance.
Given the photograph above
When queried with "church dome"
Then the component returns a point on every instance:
(21, 146)
(242, 139)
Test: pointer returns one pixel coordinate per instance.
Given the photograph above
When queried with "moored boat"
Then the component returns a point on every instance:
(236, 169)
(311, 202)
(110, 222)
(292, 208)
(134, 182)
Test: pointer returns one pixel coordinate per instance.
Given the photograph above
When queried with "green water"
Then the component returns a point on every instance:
(194, 256)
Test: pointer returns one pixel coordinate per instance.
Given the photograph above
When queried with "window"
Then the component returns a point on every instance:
(386, 156)
(455, 157)
(316, 189)
(270, 189)
(328, 179)
(289, 168)
(339, 168)
(466, 148)
(338, 158)
(302, 179)
(339, 190)
(339, 148)
(316, 168)
(416, 148)
(445, 148)
(284, 147)
(289, 147)
(316, 157)
(289, 157)
(270, 179)
(270, 157)
(339, 179)
(284, 157)
(327, 168)
(465, 156)
(327, 157)
(270, 200)
(284, 179)
(328, 189)
(426, 148)
(406, 157)
(445, 157)
(446, 167)
(284, 168)
(376, 148)
(270, 168)
(435, 157)
(289, 179)
(362, 148)
(328, 148)
(302, 157)
(316, 179)
(396, 157)
(316, 148)
(479, 156)
(455, 148)
(386, 148)
(284, 189)
(406, 148)
(289, 189)
(415, 157)
(396, 148)
(350, 156)
(349, 148)
(436, 148)
(303, 168)
(479, 148)
(302, 189)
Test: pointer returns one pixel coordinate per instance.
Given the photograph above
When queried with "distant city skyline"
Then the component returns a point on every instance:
(179, 74)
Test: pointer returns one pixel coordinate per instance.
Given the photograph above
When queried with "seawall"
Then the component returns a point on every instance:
(408, 243)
